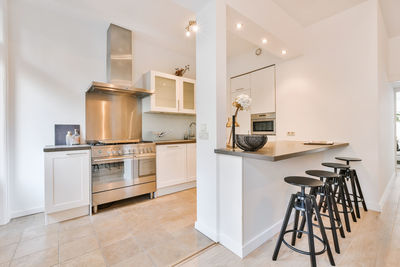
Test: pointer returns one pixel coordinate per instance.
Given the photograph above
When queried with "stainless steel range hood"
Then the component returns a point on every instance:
(110, 88)
(119, 65)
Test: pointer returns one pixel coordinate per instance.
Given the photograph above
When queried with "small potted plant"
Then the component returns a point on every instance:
(242, 102)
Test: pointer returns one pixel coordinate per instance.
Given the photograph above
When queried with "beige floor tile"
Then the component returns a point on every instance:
(77, 248)
(149, 239)
(120, 251)
(92, 259)
(7, 253)
(76, 233)
(74, 223)
(48, 257)
(168, 253)
(141, 260)
(5, 264)
(36, 244)
(9, 236)
(112, 232)
(38, 231)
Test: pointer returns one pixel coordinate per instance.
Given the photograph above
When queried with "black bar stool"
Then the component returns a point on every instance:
(305, 203)
(343, 195)
(356, 191)
(326, 196)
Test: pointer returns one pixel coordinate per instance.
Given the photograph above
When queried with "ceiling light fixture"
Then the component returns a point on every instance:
(264, 41)
(284, 52)
(191, 27)
(239, 26)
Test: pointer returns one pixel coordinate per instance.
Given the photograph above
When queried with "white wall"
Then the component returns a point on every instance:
(55, 53)
(4, 181)
(393, 59)
(338, 90)
(175, 125)
(210, 106)
(387, 145)
(331, 93)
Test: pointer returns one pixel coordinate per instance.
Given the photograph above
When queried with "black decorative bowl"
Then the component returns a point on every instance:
(251, 142)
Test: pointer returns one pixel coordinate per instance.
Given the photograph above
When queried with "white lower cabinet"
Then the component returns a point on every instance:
(191, 162)
(176, 167)
(67, 184)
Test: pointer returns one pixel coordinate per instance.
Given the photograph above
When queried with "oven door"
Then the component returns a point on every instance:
(266, 126)
(144, 168)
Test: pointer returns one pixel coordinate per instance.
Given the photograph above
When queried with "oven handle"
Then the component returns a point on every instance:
(111, 159)
(146, 156)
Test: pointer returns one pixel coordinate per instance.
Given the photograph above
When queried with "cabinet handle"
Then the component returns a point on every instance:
(72, 154)
(172, 146)
(240, 89)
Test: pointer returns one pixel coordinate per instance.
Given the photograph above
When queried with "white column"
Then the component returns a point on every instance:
(4, 212)
(210, 109)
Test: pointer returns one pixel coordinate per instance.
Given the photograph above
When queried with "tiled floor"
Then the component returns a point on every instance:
(142, 232)
(374, 241)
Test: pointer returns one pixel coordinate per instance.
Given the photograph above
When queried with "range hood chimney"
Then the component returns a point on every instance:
(119, 64)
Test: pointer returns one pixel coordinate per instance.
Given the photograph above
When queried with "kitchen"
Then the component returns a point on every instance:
(155, 180)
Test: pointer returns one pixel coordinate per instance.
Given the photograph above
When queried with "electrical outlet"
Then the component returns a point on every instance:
(291, 133)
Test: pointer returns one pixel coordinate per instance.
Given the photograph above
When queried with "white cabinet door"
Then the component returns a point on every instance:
(191, 162)
(67, 180)
(240, 83)
(263, 90)
(187, 96)
(171, 165)
(244, 116)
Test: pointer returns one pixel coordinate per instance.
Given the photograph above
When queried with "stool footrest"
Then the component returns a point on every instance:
(302, 251)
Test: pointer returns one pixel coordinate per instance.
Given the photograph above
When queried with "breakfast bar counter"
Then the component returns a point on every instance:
(280, 150)
(251, 194)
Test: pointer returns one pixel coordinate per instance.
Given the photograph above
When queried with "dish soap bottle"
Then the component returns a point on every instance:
(68, 138)
(76, 140)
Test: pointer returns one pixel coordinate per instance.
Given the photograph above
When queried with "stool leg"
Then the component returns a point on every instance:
(302, 224)
(322, 230)
(354, 191)
(345, 214)
(284, 225)
(360, 191)
(333, 224)
(349, 203)
(309, 208)
(336, 212)
(296, 223)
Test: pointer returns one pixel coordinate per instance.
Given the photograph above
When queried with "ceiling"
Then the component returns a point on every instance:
(235, 45)
(307, 12)
(162, 21)
(391, 15)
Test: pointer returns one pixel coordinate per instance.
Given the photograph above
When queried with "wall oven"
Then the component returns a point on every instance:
(263, 123)
(122, 171)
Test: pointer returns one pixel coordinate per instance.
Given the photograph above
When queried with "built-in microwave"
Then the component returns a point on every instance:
(263, 123)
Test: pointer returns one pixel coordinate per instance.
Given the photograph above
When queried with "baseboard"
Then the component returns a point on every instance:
(232, 245)
(387, 191)
(66, 214)
(207, 231)
(20, 213)
(175, 188)
(263, 237)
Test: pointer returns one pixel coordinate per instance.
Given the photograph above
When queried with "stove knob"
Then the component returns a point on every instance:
(109, 152)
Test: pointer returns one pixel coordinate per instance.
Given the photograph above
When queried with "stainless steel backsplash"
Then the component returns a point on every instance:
(113, 117)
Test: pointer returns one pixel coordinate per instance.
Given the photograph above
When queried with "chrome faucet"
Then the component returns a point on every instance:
(192, 133)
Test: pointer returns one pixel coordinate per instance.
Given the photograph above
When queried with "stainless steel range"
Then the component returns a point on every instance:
(122, 171)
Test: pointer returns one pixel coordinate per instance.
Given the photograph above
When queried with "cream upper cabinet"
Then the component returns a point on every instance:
(263, 90)
(171, 94)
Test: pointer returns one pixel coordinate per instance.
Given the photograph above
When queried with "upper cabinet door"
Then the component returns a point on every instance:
(187, 103)
(241, 83)
(263, 90)
(165, 89)
(171, 94)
